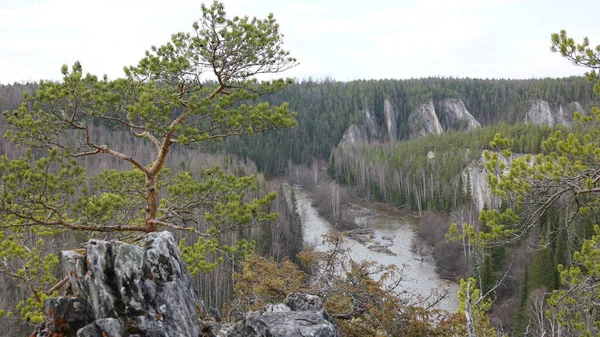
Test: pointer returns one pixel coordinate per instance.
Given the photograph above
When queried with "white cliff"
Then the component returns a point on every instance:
(363, 132)
(541, 112)
(371, 128)
(475, 177)
(424, 121)
(391, 116)
(353, 135)
(453, 114)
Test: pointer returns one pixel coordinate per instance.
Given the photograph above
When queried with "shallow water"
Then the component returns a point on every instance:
(399, 232)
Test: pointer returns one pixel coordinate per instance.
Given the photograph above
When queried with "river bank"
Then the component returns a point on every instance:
(388, 240)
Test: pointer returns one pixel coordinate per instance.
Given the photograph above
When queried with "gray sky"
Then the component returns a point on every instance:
(343, 40)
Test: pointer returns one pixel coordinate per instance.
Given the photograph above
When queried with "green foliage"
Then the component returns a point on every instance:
(576, 305)
(543, 268)
(473, 304)
(521, 315)
(197, 88)
(486, 274)
(562, 179)
(327, 108)
(426, 173)
(565, 169)
(580, 54)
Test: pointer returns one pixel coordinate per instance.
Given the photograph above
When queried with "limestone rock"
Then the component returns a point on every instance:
(127, 290)
(363, 132)
(305, 317)
(424, 121)
(453, 114)
(544, 113)
(67, 314)
(448, 113)
(104, 327)
(391, 117)
(353, 135)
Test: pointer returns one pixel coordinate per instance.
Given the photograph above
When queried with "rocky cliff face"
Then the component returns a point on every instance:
(437, 117)
(541, 112)
(371, 127)
(369, 130)
(430, 117)
(453, 114)
(121, 289)
(353, 135)
(126, 290)
(424, 121)
(445, 114)
(391, 116)
(475, 177)
(365, 131)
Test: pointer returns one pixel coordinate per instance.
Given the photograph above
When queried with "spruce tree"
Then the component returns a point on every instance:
(521, 315)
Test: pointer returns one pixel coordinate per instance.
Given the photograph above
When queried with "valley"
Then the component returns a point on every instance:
(468, 162)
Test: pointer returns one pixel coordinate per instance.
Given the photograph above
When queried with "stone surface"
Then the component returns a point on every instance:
(453, 114)
(424, 121)
(436, 117)
(353, 135)
(544, 113)
(391, 117)
(127, 290)
(105, 327)
(366, 131)
(67, 314)
(305, 316)
(475, 175)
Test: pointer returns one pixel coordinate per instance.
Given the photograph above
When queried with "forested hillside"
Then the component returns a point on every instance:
(326, 109)
(427, 173)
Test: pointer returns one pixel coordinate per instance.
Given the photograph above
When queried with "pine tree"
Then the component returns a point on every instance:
(198, 88)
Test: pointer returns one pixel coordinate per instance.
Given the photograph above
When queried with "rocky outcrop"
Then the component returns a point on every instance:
(391, 117)
(430, 117)
(371, 127)
(424, 121)
(541, 112)
(353, 135)
(440, 116)
(369, 130)
(475, 177)
(299, 315)
(122, 289)
(363, 132)
(126, 290)
(453, 114)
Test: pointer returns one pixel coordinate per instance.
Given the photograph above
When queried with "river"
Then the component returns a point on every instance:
(397, 231)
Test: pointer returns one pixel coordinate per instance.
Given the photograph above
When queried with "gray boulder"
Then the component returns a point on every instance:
(102, 327)
(304, 316)
(126, 290)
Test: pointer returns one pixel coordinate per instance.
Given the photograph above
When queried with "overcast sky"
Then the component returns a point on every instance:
(339, 39)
